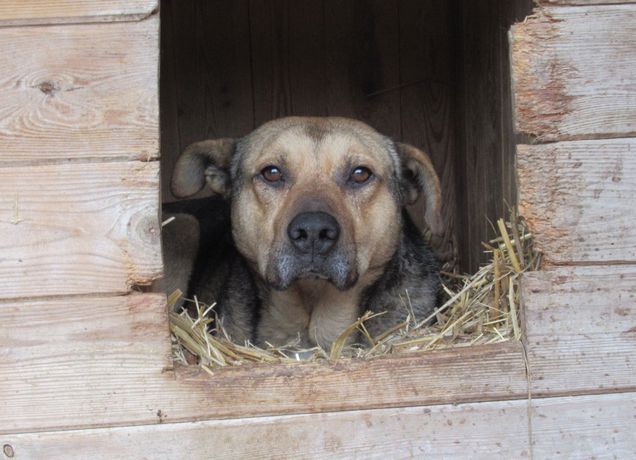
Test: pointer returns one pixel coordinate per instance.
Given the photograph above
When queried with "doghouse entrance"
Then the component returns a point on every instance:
(433, 74)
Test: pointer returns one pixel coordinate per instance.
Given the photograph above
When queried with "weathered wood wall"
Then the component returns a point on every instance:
(566, 427)
(79, 201)
(579, 86)
(54, 106)
(574, 72)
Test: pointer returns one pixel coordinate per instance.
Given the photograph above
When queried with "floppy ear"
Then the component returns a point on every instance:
(203, 162)
(418, 176)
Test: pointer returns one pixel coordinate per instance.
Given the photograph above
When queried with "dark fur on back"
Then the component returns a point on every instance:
(220, 273)
(407, 284)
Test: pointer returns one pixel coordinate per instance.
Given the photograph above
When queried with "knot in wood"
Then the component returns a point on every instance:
(48, 87)
(7, 449)
(145, 228)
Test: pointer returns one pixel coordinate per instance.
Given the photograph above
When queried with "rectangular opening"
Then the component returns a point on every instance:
(432, 74)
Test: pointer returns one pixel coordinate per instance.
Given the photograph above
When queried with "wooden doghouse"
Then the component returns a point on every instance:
(85, 360)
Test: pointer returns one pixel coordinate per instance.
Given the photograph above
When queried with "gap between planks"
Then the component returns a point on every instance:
(152, 157)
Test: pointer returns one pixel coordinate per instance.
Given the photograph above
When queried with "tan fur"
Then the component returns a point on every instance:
(369, 219)
(421, 167)
(312, 311)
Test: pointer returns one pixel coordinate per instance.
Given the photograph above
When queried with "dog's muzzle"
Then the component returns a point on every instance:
(312, 251)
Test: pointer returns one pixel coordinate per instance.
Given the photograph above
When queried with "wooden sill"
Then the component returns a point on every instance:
(467, 374)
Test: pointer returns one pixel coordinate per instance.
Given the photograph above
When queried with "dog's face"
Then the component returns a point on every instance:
(312, 198)
(325, 197)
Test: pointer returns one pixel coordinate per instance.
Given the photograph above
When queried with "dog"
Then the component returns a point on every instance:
(306, 230)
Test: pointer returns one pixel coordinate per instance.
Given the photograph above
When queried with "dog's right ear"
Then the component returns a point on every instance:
(204, 162)
(419, 177)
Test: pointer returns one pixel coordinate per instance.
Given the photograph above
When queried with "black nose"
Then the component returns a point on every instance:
(313, 232)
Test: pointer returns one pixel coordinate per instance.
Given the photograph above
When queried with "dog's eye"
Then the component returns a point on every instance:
(271, 174)
(360, 175)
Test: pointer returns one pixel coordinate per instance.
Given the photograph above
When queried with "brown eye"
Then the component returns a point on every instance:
(360, 175)
(271, 174)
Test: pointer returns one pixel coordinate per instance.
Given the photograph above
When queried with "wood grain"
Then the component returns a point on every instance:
(78, 228)
(79, 91)
(483, 430)
(496, 372)
(86, 360)
(578, 199)
(574, 72)
(91, 361)
(23, 12)
(583, 427)
(581, 329)
(569, 427)
(269, 38)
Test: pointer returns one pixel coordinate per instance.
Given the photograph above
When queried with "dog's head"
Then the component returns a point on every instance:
(313, 197)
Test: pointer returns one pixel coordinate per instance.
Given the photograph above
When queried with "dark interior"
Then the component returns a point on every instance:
(431, 73)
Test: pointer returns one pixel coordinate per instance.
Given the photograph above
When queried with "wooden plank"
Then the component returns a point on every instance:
(23, 12)
(578, 199)
(582, 427)
(82, 360)
(571, 427)
(581, 329)
(305, 53)
(90, 362)
(461, 375)
(483, 430)
(79, 91)
(574, 72)
(78, 228)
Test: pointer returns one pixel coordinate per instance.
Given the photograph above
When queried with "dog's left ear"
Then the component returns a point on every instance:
(419, 176)
(205, 162)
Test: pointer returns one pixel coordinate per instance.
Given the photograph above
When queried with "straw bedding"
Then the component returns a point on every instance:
(481, 308)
